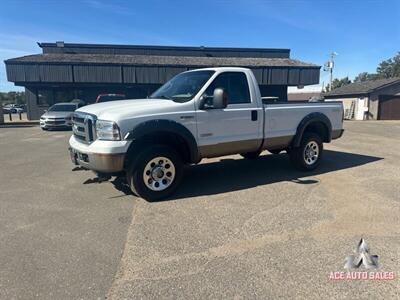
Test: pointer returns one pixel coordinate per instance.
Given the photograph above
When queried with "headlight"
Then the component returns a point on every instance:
(107, 130)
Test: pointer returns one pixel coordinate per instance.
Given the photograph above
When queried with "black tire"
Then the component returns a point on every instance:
(298, 155)
(136, 172)
(44, 129)
(275, 151)
(251, 155)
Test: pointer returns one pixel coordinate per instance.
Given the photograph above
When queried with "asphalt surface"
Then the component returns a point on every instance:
(235, 229)
(59, 238)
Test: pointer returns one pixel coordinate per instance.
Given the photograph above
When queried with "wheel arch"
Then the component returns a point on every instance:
(166, 132)
(314, 122)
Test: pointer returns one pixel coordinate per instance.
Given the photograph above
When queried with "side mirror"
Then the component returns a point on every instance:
(218, 101)
(220, 98)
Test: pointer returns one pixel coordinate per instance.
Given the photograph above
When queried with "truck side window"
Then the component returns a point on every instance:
(235, 83)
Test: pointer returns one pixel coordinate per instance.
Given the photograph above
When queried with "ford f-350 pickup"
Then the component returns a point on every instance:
(197, 114)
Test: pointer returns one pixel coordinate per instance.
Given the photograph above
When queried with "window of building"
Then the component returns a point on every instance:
(45, 97)
(235, 83)
(64, 95)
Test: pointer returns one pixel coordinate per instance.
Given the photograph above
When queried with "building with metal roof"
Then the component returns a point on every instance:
(362, 88)
(373, 99)
(64, 71)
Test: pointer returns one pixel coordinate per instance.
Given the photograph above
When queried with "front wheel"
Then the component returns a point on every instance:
(308, 155)
(156, 174)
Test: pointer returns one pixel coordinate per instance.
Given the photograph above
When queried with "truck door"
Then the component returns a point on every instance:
(235, 129)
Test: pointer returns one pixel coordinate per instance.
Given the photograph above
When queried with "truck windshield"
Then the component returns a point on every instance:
(183, 87)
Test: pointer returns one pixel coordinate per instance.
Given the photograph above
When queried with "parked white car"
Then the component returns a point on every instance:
(13, 109)
(58, 116)
(198, 114)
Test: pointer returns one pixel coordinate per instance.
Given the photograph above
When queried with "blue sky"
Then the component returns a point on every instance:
(362, 32)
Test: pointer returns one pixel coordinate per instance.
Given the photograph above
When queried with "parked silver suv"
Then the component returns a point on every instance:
(58, 116)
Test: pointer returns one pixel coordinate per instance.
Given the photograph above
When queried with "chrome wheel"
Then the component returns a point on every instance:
(311, 152)
(159, 173)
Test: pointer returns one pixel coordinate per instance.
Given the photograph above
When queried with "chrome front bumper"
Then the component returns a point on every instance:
(99, 162)
(99, 156)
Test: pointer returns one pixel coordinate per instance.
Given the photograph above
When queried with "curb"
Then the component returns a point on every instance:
(16, 124)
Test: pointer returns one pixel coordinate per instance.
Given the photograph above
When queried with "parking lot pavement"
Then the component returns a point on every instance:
(59, 239)
(235, 229)
(258, 229)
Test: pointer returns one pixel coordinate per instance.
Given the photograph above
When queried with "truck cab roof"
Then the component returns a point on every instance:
(222, 69)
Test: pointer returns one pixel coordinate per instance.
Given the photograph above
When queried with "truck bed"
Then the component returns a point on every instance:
(282, 118)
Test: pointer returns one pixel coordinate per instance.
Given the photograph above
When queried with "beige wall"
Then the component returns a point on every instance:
(346, 102)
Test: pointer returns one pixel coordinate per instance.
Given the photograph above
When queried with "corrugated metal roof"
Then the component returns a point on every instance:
(154, 60)
(364, 87)
(61, 47)
(44, 44)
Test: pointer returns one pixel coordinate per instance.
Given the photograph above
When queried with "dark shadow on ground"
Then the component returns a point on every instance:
(229, 175)
(121, 185)
(79, 168)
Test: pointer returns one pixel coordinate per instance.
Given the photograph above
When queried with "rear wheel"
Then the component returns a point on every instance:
(156, 173)
(308, 155)
(251, 155)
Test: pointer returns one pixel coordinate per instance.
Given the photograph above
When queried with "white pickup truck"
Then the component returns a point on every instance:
(197, 114)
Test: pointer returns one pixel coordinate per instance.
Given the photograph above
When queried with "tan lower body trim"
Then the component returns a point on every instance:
(222, 149)
(228, 148)
(280, 142)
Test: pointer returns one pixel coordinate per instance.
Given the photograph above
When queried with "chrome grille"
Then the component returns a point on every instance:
(55, 122)
(84, 127)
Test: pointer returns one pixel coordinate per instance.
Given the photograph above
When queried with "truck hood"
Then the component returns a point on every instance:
(122, 109)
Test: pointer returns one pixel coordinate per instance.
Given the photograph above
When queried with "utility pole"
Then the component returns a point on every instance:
(329, 65)
(331, 69)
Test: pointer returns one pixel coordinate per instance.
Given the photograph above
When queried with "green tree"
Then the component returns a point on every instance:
(336, 83)
(364, 76)
(389, 68)
(12, 98)
(386, 69)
